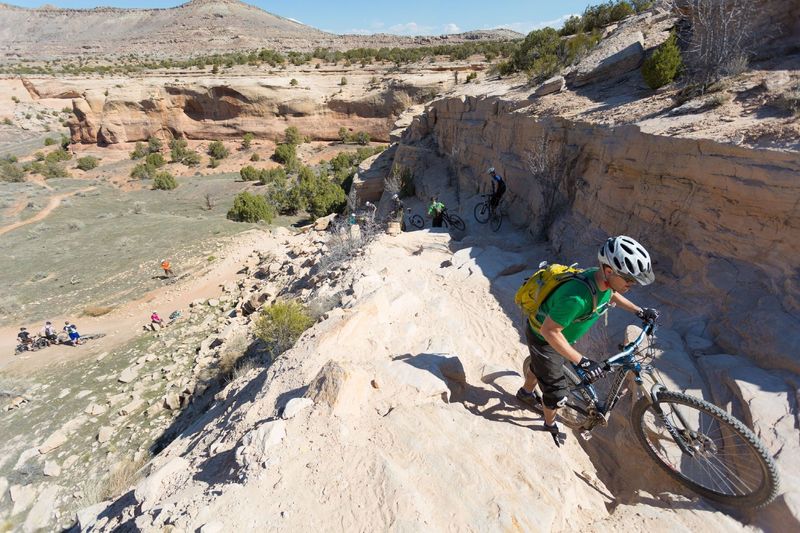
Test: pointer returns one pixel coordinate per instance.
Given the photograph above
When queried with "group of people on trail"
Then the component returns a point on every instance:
(49, 335)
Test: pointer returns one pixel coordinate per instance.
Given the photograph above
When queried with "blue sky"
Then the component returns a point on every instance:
(407, 17)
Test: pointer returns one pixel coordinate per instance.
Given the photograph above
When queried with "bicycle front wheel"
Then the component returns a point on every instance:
(457, 223)
(725, 461)
(482, 213)
(417, 221)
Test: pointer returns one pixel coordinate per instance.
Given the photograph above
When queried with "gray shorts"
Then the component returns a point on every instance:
(547, 365)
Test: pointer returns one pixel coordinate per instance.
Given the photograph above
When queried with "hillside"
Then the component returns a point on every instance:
(194, 28)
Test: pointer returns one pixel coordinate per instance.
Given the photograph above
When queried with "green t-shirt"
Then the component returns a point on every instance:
(435, 208)
(573, 300)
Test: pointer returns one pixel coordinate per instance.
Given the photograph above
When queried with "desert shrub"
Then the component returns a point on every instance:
(285, 154)
(139, 151)
(53, 169)
(49, 141)
(406, 179)
(7, 122)
(217, 150)
(15, 99)
(362, 138)
(11, 158)
(213, 162)
(572, 25)
(57, 156)
(343, 81)
(67, 110)
(789, 100)
(155, 159)
(123, 476)
(154, 145)
(272, 175)
(255, 157)
(97, 310)
(344, 135)
(88, 162)
(249, 173)
(11, 172)
(247, 140)
(65, 141)
(293, 82)
(38, 156)
(641, 6)
(164, 181)
(143, 171)
(471, 76)
(191, 159)
(292, 136)
(180, 153)
(663, 66)
(281, 324)
(248, 207)
(320, 195)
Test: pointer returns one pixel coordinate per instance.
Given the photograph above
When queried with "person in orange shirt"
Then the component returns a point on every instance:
(167, 267)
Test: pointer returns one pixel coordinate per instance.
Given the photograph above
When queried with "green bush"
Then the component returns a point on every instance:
(293, 82)
(286, 154)
(344, 135)
(164, 181)
(292, 136)
(88, 163)
(11, 172)
(217, 150)
(255, 157)
(572, 25)
(139, 151)
(143, 171)
(272, 176)
(57, 156)
(249, 207)
(664, 65)
(178, 150)
(471, 76)
(213, 162)
(155, 159)
(53, 169)
(49, 141)
(281, 324)
(249, 173)
(38, 156)
(7, 122)
(15, 99)
(247, 140)
(191, 159)
(362, 138)
(343, 81)
(154, 145)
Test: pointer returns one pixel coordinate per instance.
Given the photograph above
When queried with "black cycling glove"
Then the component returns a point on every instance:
(592, 370)
(648, 314)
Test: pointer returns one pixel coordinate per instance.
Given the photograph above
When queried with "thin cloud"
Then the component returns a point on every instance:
(451, 28)
(411, 28)
(527, 27)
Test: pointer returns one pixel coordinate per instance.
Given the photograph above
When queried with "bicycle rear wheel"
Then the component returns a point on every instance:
(457, 223)
(496, 221)
(727, 463)
(417, 221)
(482, 213)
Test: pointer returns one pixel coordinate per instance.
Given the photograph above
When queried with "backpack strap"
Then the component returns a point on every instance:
(592, 291)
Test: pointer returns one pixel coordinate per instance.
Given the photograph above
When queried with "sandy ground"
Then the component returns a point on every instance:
(125, 322)
(54, 202)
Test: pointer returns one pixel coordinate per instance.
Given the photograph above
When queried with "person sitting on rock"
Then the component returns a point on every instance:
(156, 321)
(436, 210)
(397, 207)
(72, 331)
(23, 337)
(370, 208)
(49, 332)
(566, 316)
(498, 188)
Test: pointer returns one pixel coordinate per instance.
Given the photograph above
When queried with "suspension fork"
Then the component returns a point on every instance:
(671, 429)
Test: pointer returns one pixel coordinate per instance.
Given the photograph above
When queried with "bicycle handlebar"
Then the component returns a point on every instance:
(615, 360)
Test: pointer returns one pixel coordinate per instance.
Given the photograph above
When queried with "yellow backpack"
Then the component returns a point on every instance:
(535, 289)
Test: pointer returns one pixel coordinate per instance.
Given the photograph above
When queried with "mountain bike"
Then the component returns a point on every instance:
(484, 212)
(695, 442)
(415, 220)
(452, 220)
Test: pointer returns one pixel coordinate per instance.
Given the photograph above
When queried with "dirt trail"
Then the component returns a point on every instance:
(125, 322)
(54, 202)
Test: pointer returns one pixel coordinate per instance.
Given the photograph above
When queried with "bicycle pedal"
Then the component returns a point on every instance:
(586, 435)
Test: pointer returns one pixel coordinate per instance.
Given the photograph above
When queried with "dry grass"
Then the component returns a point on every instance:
(97, 310)
(121, 478)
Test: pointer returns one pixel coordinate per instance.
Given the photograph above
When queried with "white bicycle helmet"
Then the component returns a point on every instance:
(627, 258)
(491, 170)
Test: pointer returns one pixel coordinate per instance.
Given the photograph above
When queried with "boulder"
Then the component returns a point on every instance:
(549, 86)
(294, 406)
(53, 441)
(615, 56)
(172, 401)
(94, 409)
(22, 496)
(104, 434)
(87, 516)
(51, 469)
(41, 514)
(213, 302)
(256, 444)
(322, 223)
(149, 490)
(128, 375)
(327, 385)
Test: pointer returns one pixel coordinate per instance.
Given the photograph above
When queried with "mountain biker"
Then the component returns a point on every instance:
(72, 331)
(156, 321)
(167, 267)
(498, 188)
(397, 207)
(436, 210)
(370, 209)
(49, 332)
(623, 263)
(23, 337)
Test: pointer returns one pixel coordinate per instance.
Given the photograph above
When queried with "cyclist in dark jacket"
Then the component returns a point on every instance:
(498, 188)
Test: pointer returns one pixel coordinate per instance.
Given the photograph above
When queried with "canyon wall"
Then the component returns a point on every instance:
(721, 221)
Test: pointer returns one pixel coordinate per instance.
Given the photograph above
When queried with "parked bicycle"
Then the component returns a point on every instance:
(414, 220)
(37, 343)
(697, 443)
(452, 220)
(484, 212)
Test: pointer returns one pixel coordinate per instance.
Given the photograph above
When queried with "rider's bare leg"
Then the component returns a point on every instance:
(529, 385)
